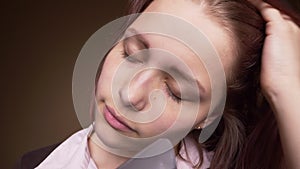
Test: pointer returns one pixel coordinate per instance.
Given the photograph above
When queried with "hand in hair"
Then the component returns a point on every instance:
(280, 77)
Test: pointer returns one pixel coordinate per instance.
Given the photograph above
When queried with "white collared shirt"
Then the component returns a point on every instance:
(74, 153)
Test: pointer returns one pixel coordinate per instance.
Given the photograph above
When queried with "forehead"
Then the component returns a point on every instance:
(195, 14)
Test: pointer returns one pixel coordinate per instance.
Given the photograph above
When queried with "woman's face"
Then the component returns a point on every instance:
(135, 95)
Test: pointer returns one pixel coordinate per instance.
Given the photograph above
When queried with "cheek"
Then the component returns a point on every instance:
(173, 113)
(163, 123)
(106, 76)
(203, 112)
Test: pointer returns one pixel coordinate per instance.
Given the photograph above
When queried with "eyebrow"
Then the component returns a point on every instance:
(188, 78)
(131, 32)
(139, 36)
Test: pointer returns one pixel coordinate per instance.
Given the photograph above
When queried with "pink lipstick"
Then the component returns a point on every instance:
(114, 121)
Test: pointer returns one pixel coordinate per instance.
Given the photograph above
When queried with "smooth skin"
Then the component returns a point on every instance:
(150, 80)
(280, 77)
(280, 81)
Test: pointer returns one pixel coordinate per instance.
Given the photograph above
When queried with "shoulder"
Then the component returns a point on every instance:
(71, 153)
(189, 155)
(56, 153)
(33, 158)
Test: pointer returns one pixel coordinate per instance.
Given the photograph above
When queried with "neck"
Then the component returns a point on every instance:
(103, 158)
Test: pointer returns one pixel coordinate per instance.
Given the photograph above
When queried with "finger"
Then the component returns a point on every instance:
(286, 17)
(269, 13)
(286, 8)
(290, 20)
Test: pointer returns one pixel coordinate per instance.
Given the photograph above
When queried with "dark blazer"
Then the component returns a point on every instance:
(32, 159)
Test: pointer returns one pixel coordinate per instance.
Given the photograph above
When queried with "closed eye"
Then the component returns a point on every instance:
(171, 94)
(131, 46)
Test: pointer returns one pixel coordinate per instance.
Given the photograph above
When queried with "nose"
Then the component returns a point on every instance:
(136, 93)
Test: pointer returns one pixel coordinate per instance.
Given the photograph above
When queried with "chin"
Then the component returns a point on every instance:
(115, 141)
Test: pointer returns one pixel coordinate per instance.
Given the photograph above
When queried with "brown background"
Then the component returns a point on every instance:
(41, 41)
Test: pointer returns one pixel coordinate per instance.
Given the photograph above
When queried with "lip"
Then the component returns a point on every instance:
(114, 121)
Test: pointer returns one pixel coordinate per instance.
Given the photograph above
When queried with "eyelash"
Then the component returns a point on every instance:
(171, 94)
(167, 88)
(129, 58)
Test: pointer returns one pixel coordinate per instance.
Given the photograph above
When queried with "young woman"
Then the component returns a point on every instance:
(261, 61)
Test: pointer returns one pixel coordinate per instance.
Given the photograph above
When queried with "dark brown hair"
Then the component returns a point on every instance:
(247, 136)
